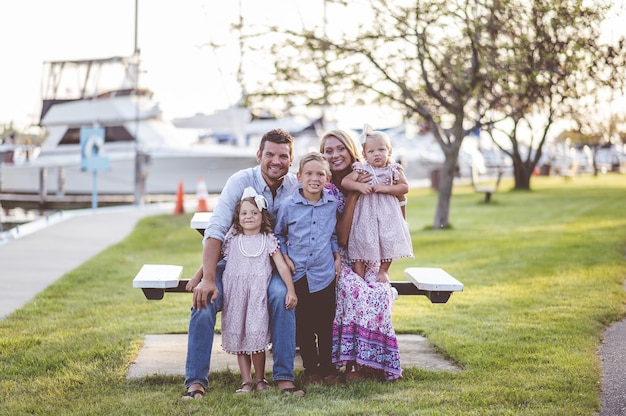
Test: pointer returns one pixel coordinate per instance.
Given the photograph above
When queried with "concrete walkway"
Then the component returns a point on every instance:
(165, 355)
(46, 249)
(613, 356)
(36, 254)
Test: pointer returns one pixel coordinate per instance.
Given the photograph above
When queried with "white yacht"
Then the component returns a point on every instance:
(141, 147)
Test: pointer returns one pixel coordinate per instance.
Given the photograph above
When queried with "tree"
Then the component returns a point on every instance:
(545, 58)
(454, 65)
(422, 58)
(592, 125)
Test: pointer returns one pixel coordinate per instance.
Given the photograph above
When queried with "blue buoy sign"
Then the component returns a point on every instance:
(92, 149)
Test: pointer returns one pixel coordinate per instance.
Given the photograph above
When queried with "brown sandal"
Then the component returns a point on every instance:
(354, 375)
(293, 391)
(261, 385)
(246, 387)
(190, 395)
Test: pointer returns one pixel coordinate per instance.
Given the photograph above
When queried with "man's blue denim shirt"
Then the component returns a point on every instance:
(222, 216)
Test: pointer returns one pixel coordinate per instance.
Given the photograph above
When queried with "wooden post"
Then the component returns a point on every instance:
(61, 182)
(43, 186)
(142, 162)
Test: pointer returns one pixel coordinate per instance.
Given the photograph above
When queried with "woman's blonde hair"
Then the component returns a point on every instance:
(346, 140)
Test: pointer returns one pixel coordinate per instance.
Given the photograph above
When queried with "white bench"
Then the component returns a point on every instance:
(437, 285)
(155, 279)
(200, 221)
(434, 283)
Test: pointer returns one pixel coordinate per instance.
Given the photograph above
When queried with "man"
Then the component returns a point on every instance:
(271, 178)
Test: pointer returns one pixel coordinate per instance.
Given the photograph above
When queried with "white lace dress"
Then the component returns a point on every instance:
(379, 232)
(245, 318)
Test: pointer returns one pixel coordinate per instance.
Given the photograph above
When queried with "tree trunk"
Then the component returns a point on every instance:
(446, 179)
(522, 171)
(450, 148)
(594, 153)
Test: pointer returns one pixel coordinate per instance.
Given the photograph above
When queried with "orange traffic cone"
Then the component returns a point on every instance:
(202, 195)
(180, 196)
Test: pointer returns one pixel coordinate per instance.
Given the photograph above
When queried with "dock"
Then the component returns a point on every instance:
(77, 201)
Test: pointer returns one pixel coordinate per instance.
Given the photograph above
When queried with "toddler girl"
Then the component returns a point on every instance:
(379, 232)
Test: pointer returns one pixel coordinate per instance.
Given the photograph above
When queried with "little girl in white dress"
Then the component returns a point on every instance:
(248, 246)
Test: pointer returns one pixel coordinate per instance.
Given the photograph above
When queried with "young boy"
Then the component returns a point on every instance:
(305, 228)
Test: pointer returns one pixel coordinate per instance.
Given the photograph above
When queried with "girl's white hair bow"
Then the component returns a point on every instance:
(260, 200)
(367, 130)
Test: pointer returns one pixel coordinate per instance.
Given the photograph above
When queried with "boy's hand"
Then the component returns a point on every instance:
(291, 300)
(337, 266)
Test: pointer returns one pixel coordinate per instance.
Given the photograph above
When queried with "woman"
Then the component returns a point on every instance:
(364, 340)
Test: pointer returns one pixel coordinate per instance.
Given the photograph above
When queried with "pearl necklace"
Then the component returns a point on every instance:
(245, 253)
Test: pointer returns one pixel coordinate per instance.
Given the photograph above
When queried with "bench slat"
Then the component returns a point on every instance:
(487, 190)
(432, 279)
(200, 221)
(434, 283)
(158, 276)
(403, 288)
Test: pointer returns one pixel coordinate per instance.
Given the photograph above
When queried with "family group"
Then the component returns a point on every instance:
(302, 260)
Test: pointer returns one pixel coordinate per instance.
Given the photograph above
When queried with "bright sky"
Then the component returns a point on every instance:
(185, 77)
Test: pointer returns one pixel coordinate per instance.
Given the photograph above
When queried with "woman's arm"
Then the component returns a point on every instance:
(402, 197)
(344, 222)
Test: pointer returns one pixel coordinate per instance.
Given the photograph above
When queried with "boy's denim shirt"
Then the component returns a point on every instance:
(306, 233)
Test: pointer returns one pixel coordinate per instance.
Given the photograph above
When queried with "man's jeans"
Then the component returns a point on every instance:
(202, 329)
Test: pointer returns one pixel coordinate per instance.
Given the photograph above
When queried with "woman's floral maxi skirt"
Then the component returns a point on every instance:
(362, 331)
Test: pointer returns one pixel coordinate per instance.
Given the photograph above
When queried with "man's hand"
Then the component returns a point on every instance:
(192, 283)
(203, 291)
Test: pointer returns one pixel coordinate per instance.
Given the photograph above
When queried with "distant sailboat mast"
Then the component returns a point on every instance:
(235, 109)
(141, 158)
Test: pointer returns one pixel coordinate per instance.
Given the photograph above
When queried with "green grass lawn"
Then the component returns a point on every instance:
(543, 272)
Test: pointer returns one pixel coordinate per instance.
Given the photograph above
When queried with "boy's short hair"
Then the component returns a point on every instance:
(314, 156)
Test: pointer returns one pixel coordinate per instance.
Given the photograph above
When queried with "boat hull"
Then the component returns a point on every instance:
(163, 173)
